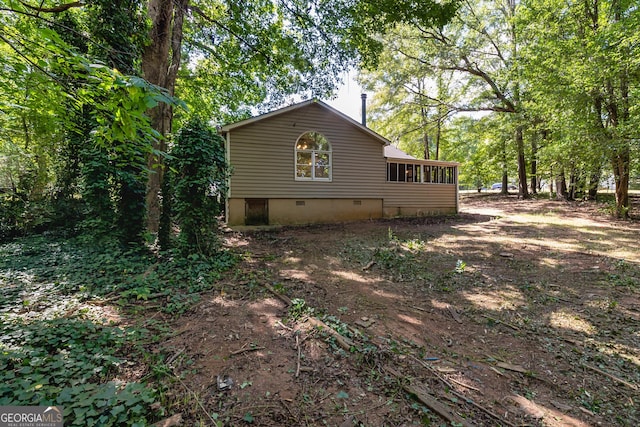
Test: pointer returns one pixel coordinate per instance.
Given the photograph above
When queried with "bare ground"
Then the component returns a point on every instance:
(512, 313)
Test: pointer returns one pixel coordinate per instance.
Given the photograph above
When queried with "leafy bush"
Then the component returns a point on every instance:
(19, 216)
(197, 183)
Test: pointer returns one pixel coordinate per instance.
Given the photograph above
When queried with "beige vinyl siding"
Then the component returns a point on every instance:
(262, 157)
(408, 198)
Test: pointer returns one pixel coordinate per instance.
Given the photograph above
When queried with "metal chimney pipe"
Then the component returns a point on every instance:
(364, 109)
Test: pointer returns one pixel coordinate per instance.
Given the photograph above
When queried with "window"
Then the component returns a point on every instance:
(313, 157)
(403, 172)
(427, 173)
(407, 172)
(451, 175)
(392, 172)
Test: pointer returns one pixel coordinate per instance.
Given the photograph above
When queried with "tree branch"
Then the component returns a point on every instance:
(480, 28)
(509, 106)
(52, 23)
(305, 20)
(56, 9)
(252, 46)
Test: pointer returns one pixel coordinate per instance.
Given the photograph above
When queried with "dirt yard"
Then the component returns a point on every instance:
(514, 313)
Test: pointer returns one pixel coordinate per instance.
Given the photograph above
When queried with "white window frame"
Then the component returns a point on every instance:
(315, 153)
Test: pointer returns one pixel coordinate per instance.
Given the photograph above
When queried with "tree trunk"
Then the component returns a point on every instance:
(573, 184)
(160, 64)
(534, 165)
(522, 164)
(594, 181)
(425, 139)
(620, 162)
(561, 185)
(505, 177)
(438, 136)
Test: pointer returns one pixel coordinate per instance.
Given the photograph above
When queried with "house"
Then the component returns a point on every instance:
(310, 163)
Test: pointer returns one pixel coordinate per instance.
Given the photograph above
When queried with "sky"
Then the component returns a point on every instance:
(348, 99)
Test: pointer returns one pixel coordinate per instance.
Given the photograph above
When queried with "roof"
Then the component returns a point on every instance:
(396, 153)
(342, 116)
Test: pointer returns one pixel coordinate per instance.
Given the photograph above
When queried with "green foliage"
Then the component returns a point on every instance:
(56, 348)
(586, 96)
(198, 182)
(65, 115)
(73, 122)
(564, 71)
(376, 17)
(70, 362)
(290, 48)
(299, 309)
(82, 267)
(393, 255)
(481, 145)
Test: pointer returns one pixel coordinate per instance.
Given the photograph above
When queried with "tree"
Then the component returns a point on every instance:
(472, 64)
(408, 104)
(587, 92)
(93, 112)
(471, 141)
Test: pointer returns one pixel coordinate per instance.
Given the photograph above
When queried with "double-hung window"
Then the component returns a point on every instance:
(313, 157)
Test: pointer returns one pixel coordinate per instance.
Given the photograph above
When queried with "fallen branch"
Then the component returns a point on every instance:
(288, 410)
(613, 377)
(299, 356)
(464, 385)
(437, 407)
(105, 301)
(197, 399)
(174, 420)
(514, 327)
(243, 349)
(368, 266)
(344, 342)
(173, 358)
(282, 325)
(433, 371)
(497, 371)
(454, 314)
(514, 368)
(285, 299)
(466, 399)
(483, 409)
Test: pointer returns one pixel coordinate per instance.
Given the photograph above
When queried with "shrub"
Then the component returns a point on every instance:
(197, 181)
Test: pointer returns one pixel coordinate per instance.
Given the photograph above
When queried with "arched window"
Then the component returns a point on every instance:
(313, 157)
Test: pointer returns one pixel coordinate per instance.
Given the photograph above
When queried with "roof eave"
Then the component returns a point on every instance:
(422, 161)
